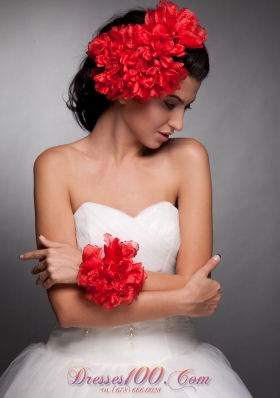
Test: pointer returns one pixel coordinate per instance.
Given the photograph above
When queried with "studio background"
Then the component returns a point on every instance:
(235, 116)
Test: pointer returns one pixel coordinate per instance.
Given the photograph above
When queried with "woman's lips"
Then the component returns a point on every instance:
(164, 136)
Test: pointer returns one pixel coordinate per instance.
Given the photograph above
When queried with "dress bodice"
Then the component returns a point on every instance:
(155, 229)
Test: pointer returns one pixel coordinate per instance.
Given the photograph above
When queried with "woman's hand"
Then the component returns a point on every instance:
(201, 295)
(59, 263)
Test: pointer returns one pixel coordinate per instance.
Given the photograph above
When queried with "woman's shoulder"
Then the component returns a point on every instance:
(186, 150)
(56, 156)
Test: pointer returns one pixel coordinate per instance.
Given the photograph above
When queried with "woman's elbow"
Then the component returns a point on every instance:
(63, 317)
(60, 299)
(64, 321)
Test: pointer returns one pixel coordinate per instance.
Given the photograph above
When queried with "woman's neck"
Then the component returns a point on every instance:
(112, 138)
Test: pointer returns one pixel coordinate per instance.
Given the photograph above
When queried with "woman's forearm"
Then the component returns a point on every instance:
(199, 297)
(159, 281)
(74, 310)
(61, 267)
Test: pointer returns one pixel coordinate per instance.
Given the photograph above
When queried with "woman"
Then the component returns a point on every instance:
(127, 180)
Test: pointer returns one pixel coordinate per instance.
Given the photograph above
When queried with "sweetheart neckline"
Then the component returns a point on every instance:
(121, 211)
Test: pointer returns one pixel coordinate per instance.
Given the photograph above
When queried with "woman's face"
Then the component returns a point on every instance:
(153, 122)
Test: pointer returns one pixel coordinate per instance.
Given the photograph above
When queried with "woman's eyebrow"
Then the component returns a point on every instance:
(176, 96)
(180, 100)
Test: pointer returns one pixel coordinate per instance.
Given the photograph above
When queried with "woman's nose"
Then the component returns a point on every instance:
(176, 121)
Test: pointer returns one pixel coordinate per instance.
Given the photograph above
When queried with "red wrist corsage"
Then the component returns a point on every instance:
(113, 279)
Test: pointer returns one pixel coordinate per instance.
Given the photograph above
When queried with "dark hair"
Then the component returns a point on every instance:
(87, 104)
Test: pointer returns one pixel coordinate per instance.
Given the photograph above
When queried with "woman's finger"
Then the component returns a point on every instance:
(35, 254)
(42, 277)
(39, 267)
(41, 253)
(49, 243)
(48, 283)
(210, 265)
(213, 300)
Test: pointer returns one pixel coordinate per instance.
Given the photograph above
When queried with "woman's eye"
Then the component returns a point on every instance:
(170, 106)
(188, 107)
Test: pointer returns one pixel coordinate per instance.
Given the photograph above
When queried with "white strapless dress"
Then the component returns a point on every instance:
(156, 358)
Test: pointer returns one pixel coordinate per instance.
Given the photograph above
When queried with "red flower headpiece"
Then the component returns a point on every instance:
(137, 60)
(114, 279)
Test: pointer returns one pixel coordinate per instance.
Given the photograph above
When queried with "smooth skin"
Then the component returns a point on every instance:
(125, 164)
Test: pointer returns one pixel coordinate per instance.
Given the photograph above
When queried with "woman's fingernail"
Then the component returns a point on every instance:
(41, 236)
(21, 256)
(217, 257)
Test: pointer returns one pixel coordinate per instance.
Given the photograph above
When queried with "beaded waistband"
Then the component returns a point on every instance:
(132, 330)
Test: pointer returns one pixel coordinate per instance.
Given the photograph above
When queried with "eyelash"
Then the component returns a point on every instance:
(172, 106)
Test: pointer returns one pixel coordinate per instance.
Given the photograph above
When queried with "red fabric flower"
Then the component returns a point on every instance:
(114, 279)
(137, 60)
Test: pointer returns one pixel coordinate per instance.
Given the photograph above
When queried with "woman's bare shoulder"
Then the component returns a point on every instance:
(186, 151)
(57, 157)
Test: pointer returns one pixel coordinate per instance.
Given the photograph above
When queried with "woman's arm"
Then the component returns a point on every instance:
(54, 219)
(195, 208)
(192, 169)
(60, 263)
(199, 297)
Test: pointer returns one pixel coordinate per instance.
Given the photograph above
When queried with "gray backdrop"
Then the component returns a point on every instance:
(236, 117)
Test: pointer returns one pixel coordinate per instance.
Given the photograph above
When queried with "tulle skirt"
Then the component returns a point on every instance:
(160, 358)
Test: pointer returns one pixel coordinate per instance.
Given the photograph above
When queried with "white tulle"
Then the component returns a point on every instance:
(82, 363)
